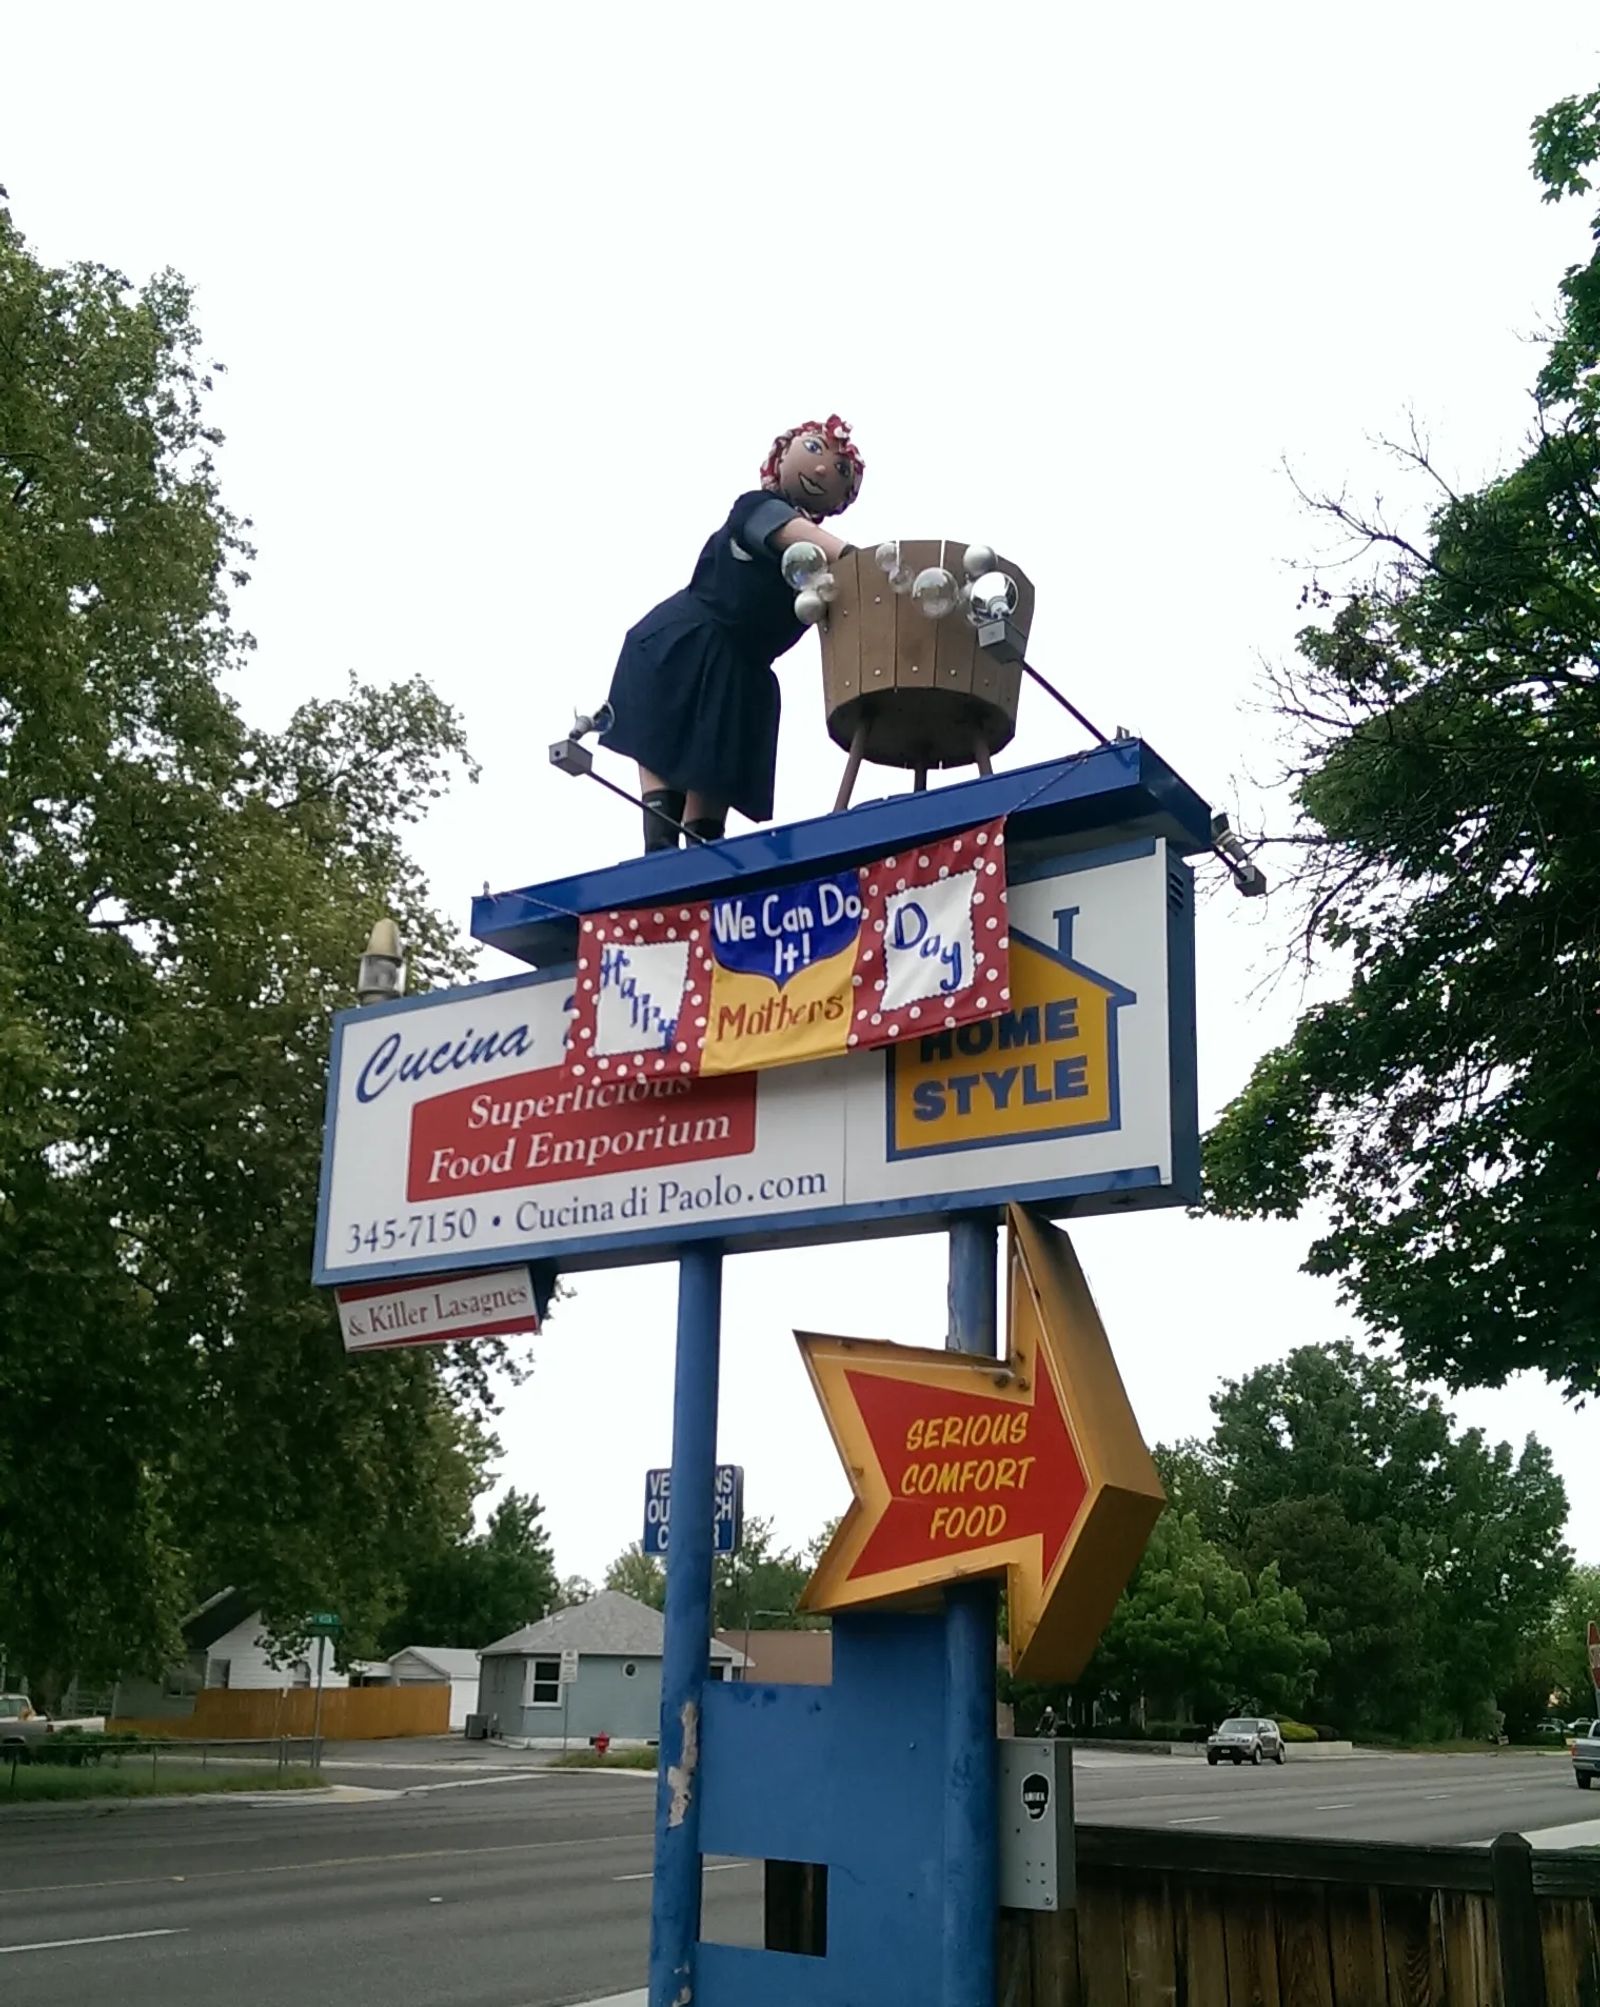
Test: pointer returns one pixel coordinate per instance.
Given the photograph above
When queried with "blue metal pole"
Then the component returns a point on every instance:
(971, 1840)
(675, 1891)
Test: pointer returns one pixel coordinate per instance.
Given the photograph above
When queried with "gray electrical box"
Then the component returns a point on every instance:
(1037, 1863)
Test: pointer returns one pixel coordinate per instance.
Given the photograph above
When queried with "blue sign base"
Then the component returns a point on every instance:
(850, 1776)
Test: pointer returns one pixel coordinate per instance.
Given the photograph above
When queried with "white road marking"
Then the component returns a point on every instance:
(720, 1868)
(1204, 1819)
(1432, 1796)
(66, 1943)
(1338, 1805)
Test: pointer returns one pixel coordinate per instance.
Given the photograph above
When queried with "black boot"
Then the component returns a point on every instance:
(708, 828)
(663, 812)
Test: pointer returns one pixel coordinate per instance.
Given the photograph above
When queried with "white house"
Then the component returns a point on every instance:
(224, 1646)
(438, 1665)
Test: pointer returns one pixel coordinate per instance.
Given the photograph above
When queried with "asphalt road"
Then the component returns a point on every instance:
(1445, 1800)
(476, 1885)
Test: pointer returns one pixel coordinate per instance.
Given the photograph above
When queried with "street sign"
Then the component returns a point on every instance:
(461, 1135)
(1031, 1466)
(569, 1666)
(323, 1624)
(727, 1522)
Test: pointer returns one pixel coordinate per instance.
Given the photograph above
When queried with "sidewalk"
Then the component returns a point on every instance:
(1584, 1833)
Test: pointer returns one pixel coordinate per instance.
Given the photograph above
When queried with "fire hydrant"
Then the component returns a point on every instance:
(602, 1743)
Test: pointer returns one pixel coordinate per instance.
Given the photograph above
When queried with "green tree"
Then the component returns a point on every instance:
(755, 1589)
(1577, 1606)
(759, 1587)
(1423, 1557)
(1276, 1653)
(639, 1575)
(181, 896)
(1194, 1635)
(1362, 1600)
(1444, 725)
(481, 1588)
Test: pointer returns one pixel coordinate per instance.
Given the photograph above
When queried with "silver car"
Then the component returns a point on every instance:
(1245, 1738)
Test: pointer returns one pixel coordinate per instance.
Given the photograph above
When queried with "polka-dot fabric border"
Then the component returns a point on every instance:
(921, 965)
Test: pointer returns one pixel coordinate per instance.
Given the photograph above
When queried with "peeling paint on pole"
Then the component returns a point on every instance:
(680, 1776)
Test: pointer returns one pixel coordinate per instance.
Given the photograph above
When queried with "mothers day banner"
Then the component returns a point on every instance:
(912, 942)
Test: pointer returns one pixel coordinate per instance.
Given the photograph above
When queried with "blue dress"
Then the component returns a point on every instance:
(693, 695)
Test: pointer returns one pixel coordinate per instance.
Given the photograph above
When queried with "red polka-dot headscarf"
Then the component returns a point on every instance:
(837, 434)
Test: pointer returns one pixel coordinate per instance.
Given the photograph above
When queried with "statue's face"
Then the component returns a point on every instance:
(813, 477)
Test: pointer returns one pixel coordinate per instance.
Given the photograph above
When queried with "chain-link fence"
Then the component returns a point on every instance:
(83, 1763)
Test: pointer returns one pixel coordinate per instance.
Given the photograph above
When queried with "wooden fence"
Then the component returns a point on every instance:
(349, 1713)
(1226, 1920)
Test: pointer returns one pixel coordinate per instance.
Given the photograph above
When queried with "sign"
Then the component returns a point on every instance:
(458, 1138)
(569, 1666)
(1045, 1067)
(853, 960)
(323, 1624)
(486, 1303)
(727, 1521)
(1031, 1466)
(1035, 1794)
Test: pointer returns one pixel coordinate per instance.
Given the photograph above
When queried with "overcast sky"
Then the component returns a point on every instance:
(513, 300)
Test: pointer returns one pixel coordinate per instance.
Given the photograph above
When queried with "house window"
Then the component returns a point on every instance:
(629, 1670)
(219, 1672)
(717, 1672)
(183, 1681)
(300, 1673)
(542, 1685)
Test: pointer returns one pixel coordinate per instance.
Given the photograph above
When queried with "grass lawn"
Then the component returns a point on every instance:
(614, 1759)
(40, 1783)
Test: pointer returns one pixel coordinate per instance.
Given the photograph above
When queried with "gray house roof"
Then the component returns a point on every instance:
(449, 1661)
(610, 1625)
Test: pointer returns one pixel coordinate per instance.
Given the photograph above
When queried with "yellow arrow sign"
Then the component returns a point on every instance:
(964, 1466)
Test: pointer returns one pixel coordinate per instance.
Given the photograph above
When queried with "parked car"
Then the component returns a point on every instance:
(1245, 1738)
(21, 1724)
(1586, 1755)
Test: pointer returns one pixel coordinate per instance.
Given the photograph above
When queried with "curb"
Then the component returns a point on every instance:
(63, 1808)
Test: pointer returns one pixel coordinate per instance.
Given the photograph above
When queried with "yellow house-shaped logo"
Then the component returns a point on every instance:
(1047, 1067)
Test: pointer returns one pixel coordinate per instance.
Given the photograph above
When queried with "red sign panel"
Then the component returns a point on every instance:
(966, 1471)
(543, 1127)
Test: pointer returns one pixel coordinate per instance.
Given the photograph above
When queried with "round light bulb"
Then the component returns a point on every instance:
(934, 590)
(809, 607)
(826, 587)
(902, 578)
(801, 563)
(994, 597)
(888, 557)
(978, 560)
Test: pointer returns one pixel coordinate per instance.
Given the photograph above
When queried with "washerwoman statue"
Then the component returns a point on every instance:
(693, 697)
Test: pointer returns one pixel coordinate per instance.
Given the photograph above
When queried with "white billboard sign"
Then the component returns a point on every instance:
(457, 1137)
